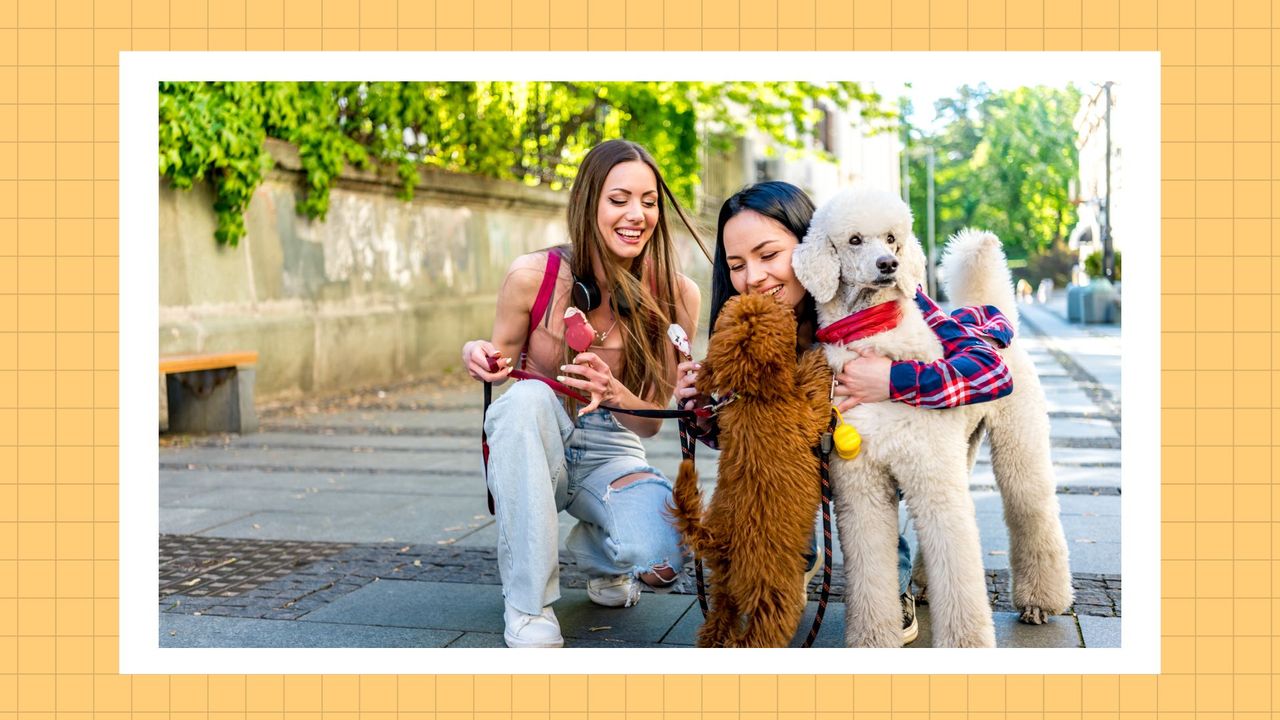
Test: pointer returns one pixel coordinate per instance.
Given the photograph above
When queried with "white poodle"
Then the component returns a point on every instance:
(860, 253)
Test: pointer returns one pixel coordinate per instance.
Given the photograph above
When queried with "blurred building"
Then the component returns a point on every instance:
(1095, 207)
(861, 158)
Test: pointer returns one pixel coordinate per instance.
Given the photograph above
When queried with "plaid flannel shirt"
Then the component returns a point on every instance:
(970, 371)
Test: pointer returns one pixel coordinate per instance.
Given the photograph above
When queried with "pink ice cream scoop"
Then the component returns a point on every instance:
(577, 330)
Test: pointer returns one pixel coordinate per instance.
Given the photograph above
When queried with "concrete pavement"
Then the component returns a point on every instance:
(360, 521)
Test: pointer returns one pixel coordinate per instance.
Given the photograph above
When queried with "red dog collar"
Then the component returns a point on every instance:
(864, 323)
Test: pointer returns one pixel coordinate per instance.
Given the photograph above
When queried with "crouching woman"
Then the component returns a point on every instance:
(547, 455)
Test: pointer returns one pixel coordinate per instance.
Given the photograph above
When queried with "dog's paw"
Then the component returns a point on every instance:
(1034, 616)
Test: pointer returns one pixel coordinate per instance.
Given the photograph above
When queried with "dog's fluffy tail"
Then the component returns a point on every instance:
(687, 510)
(976, 272)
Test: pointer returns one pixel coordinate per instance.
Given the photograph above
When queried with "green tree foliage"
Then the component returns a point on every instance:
(1003, 162)
(533, 132)
(1093, 264)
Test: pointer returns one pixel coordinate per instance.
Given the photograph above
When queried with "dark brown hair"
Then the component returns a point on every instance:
(776, 200)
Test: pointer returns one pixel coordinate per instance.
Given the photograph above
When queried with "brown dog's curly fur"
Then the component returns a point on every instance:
(757, 528)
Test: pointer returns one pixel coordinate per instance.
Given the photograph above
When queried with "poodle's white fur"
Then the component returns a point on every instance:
(859, 252)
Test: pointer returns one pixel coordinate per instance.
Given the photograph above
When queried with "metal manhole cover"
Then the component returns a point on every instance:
(227, 567)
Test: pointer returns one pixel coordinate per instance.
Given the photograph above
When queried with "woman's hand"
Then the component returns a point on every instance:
(686, 393)
(597, 379)
(475, 358)
(864, 379)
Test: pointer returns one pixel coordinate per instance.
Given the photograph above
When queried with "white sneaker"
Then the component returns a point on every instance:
(910, 626)
(532, 631)
(616, 591)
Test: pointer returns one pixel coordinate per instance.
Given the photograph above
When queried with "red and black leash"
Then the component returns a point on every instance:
(687, 446)
(823, 451)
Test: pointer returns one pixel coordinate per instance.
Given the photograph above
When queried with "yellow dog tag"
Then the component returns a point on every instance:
(848, 441)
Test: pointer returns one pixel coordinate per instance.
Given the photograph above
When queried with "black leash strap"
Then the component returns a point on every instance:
(484, 442)
(824, 471)
(687, 446)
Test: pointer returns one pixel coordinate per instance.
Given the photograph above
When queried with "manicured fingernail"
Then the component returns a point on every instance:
(560, 378)
(564, 367)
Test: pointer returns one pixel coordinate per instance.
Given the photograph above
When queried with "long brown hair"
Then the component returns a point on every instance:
(646, 284)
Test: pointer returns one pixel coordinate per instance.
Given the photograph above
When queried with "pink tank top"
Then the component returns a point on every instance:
(543, 352)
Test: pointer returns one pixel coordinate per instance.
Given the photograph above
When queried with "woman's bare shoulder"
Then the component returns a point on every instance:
(524, 276)
(687, 290)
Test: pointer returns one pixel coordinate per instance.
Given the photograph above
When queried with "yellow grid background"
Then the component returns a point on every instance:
(58, 349)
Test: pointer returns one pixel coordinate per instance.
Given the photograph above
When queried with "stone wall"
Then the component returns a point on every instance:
(380, 291)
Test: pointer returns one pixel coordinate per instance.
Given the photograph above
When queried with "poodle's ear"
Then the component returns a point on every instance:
(911, 267)
(816, 265)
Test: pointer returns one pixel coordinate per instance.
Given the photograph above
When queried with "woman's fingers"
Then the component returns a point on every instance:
(688, 367)
(574, 368)
(595, 403)
(592, 388)
(483, 360)
(687, 379)
(842, 386)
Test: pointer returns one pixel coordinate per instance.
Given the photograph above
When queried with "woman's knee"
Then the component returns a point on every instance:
(647, 540)
(634, 477)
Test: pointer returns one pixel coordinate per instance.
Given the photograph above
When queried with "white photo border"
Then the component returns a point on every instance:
(140, 72)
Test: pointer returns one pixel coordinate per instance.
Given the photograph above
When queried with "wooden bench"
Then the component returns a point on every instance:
(210, 392)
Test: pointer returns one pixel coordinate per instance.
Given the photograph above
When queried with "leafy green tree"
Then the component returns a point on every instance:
(1003, 160)
(533, 132)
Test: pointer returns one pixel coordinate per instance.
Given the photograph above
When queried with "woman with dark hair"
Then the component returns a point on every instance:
(548, 455)
(757, 229)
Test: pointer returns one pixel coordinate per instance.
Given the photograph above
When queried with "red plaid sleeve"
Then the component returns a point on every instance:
(971, 371)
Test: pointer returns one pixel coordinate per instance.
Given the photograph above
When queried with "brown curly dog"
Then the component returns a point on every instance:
(758, 525)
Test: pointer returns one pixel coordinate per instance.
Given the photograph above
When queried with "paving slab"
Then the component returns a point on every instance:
(191, 521)
(312, 460)
(1059, 632)
(422, 520)
(445, 423)
(478, 640)
(1100, 505)
(479, 608)
(470, 483)
(648, 622)
(222, 632)
(1068, 400)
(830, 635)
(400, 603)
(1093, 541)
(1064, 456)
(1082, 428)
(1100, 631)
(306, 502)
(349, 442)
(1071, 477)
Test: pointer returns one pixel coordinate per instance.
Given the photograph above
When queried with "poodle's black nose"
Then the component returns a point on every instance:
(887, 264)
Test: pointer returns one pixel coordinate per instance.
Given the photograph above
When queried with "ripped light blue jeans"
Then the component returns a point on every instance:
(541, 463)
